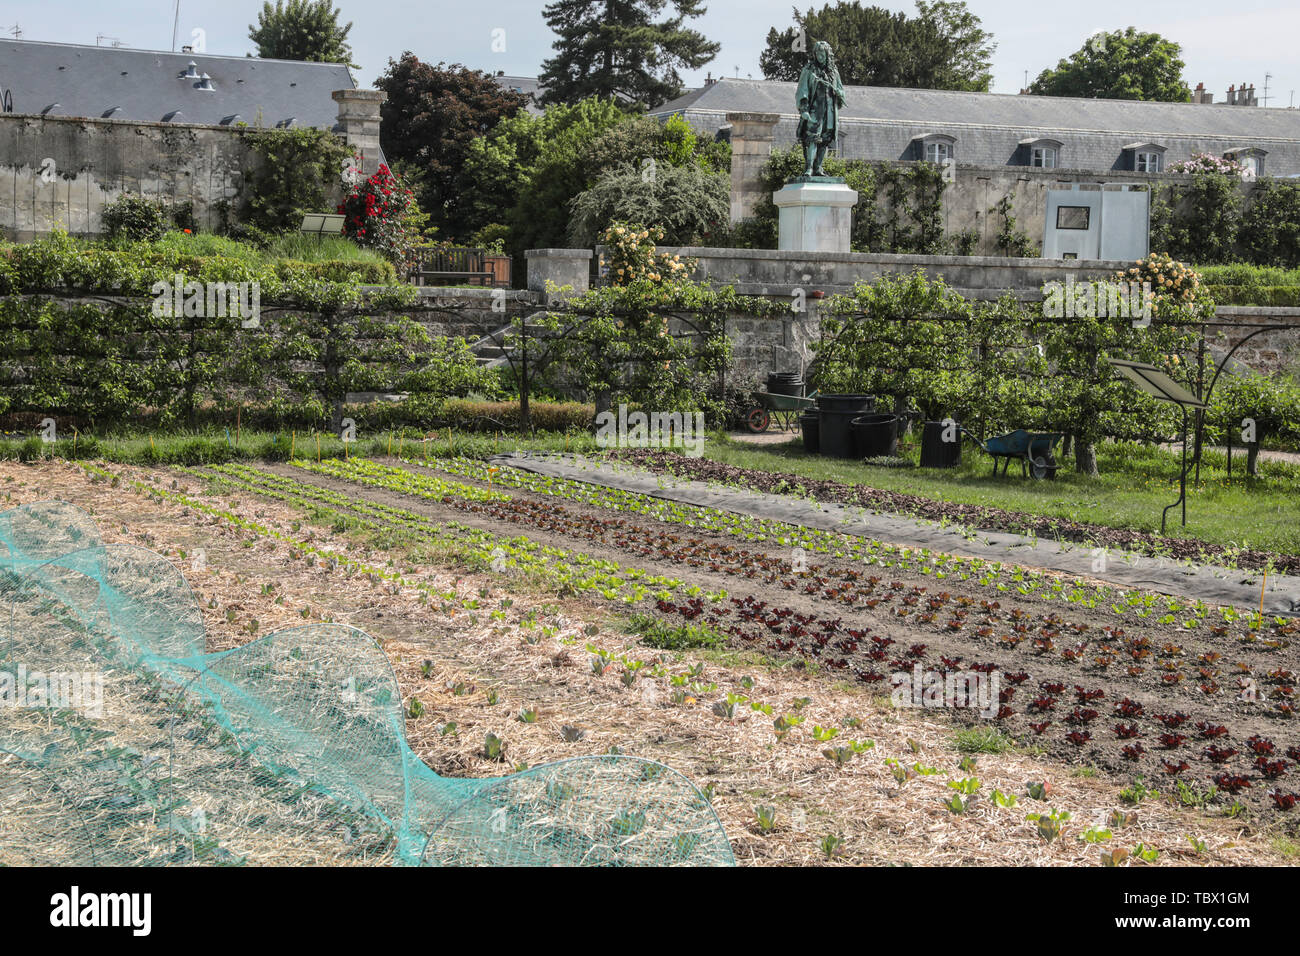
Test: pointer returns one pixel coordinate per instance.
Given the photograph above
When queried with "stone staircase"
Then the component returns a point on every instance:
(491, 354)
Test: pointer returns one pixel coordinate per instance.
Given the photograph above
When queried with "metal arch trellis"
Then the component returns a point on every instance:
(1202, 325)
(1209, 391)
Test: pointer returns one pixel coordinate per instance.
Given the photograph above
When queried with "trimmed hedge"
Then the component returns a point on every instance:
(490, 416)
(338, 270)
(1284, 296)
(64, 354)
(1243, 284)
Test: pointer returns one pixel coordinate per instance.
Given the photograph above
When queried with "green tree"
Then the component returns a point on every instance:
(299, 169)
(970, 62)
(1120, 65)
(686, 202)
(1199, 221)
(617, 49)
(431, 118)
(301, 30)
(943, 47)
(528, 169)
(1270, 229)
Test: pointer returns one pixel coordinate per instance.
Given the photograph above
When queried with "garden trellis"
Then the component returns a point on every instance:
(1005, 365)
(291, 748)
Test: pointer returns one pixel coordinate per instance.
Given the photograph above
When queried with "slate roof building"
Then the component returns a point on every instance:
(998, 129)
(527, 85)
(64, 79)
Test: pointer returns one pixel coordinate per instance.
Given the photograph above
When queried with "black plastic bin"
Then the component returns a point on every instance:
(808, 423)
(785, 383)
(835, 422)
(875, 435)
(937, 453)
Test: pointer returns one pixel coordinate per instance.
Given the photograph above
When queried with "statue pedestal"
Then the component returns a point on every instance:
(816, 214)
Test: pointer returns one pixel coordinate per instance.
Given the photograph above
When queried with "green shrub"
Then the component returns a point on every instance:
(299, 167)
(468, 415)
(374, 272)
(135, 218)
(1272, 401)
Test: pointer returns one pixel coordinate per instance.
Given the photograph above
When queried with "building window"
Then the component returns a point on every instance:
(1251, 159)
(1043, 157)
(1072, 217)
(1147, 162)
(937, 153)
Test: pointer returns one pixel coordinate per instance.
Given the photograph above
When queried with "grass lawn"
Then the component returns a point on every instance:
(1136, 482)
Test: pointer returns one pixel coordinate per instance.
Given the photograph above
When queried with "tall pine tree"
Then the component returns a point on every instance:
(618, 49)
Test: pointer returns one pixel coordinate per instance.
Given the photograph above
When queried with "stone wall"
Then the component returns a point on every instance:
(775, 272)
(58, 172)
(1268, 352)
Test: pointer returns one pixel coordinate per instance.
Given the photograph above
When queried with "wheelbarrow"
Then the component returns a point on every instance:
(784, 408)
(1034, 451)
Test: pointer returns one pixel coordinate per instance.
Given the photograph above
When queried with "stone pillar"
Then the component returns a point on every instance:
(815, 215)
(562, 267)
(359, 117)
(751, 143)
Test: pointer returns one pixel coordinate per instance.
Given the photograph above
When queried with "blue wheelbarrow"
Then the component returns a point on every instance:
(1034, 450)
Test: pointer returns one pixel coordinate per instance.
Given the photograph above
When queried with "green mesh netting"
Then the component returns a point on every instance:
(123, 743)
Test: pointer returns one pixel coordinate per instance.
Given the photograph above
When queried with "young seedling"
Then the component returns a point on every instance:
(1049, 824)
(493, 747)
(832, 845)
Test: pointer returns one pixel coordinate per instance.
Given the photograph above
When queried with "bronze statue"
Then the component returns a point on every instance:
(819, 97)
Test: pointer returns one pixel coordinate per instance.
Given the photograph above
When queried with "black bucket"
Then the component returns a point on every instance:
(937, 453)
(835, 424)
(875, 435)
(847, 403)
(785, 383)
(808, 423)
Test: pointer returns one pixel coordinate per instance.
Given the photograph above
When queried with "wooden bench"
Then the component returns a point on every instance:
(454, 264)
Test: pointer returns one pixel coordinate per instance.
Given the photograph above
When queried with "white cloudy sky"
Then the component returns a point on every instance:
(1222, 43)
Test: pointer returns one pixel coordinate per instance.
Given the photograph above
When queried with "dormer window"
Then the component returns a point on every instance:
(935, 148)
(1042, 153)
(1145, 157)
(1251, 159)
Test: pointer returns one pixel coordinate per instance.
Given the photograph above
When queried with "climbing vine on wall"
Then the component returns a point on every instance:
(899, 207)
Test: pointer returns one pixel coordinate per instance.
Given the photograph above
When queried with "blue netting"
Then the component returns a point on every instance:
(127, 744)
